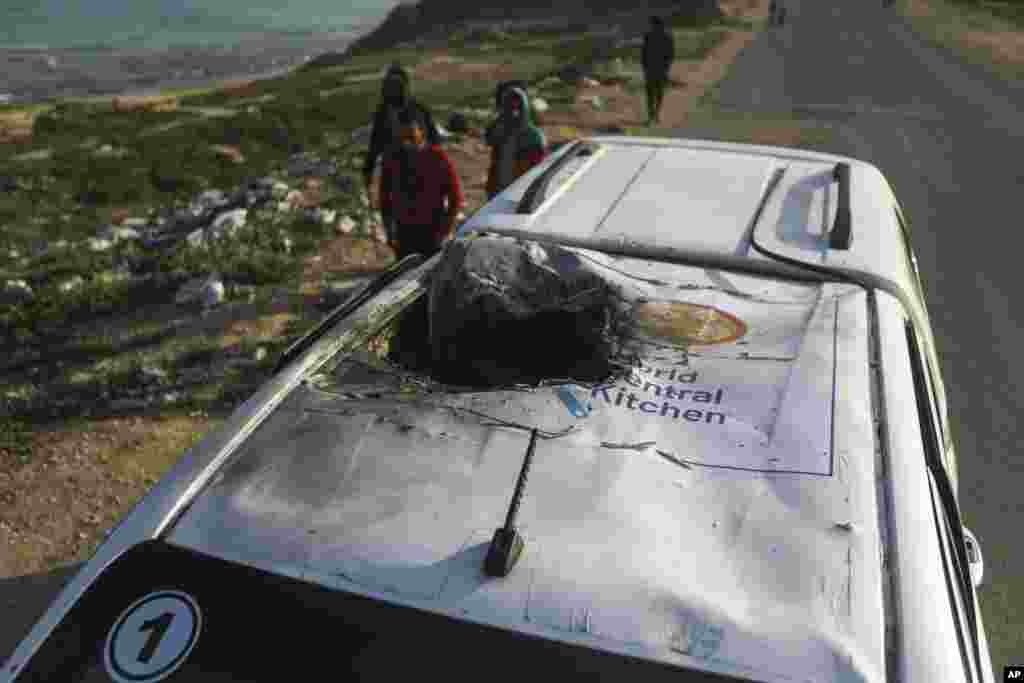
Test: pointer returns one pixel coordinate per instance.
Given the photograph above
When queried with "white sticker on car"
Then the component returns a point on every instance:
(152, 638)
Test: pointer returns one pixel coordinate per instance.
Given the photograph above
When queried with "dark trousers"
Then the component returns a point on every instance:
(416, 239)
(656, 84)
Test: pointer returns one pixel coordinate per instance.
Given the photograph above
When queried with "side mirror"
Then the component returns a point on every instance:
(975, 560)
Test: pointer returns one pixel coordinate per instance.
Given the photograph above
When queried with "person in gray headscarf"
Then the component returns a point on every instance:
(517, 145)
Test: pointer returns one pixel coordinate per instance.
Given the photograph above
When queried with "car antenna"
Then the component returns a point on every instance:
(842, 232)
(507, 544)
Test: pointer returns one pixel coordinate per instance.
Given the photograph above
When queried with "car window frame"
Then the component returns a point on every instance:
(911, 257)
(949, 528)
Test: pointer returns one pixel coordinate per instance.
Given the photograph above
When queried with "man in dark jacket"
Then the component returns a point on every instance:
(659, 52)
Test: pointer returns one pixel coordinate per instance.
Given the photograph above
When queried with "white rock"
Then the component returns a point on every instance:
(287, 243)
(116, 234)
(37, 155)
(16, 292)
(196, 238)
(279, 190)
(213, 292)
(597, 102)
(228, 223)
(98, 244)
(590, 83)
(284, 207)
(346, 225)
(260, 355)
(540, 105)
(135, 223)
(325, 216)
(211, 199)
(14, 254)
(71, 284)
(110, 151)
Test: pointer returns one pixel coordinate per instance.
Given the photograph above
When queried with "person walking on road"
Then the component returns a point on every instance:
(659, 51)
(777, 13)
(395, 98)
(420, 195)
(517, 145)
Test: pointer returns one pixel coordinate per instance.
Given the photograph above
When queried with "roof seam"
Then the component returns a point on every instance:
(618, 199)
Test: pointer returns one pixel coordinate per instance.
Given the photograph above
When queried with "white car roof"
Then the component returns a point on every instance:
(701, 196)
(712, 530)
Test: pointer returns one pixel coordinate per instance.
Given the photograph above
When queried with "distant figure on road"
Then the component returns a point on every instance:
(659, 52)
(395, 97)
(420, 195)
(517, 145)
(777, 13)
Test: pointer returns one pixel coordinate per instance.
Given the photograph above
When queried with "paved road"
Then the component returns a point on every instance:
(951, 142)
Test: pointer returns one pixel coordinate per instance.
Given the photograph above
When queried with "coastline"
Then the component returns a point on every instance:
(36, 76)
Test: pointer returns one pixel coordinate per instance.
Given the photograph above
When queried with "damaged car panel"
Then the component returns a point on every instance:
(667, 459)
(379, 479)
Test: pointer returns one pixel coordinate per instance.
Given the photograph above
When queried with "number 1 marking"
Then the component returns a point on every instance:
(158, 627)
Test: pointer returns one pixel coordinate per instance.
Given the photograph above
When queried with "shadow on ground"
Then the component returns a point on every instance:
(23, 599)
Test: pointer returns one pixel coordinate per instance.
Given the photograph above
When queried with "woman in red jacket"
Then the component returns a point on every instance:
(419, 191)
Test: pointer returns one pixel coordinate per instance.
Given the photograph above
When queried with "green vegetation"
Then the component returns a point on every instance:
(84, 160)
(949, 23)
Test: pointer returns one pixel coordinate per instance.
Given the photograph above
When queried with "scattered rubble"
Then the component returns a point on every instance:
(320, 215)
(99, 244)
(16, 292)
(227, 224)
(306, 165)
(71, 284)
(207, 291)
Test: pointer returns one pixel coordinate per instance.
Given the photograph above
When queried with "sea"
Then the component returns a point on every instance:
(71, 48)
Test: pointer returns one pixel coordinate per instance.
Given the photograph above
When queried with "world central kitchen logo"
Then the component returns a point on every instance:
(674, 400)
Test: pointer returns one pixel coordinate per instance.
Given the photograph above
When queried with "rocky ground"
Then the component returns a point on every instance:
(94, 413)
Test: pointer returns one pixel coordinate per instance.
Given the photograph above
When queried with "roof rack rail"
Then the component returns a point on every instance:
(842, 233)
(534, 195)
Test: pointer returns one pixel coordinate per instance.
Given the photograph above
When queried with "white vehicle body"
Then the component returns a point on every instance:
(763, 507)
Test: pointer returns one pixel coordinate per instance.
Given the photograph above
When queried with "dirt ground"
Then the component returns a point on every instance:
(82, 478)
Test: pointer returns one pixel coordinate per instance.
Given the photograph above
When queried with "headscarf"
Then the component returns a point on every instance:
(397, 78)
(522, 134)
